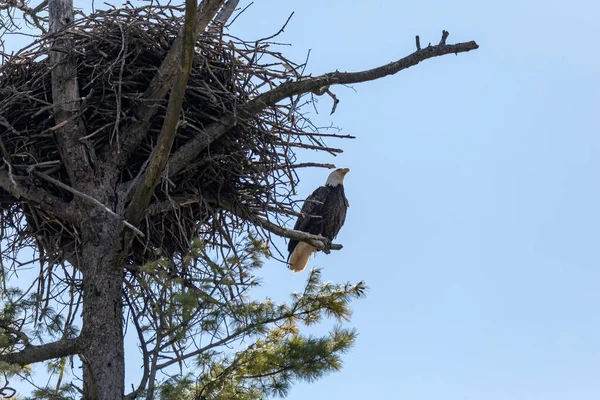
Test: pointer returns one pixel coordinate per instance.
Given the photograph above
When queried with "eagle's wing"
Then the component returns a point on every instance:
(311, 213)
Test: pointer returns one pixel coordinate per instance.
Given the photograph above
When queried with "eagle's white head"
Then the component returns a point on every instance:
(337, 177)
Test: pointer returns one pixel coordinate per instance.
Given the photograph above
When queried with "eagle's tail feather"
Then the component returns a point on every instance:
(300, 256)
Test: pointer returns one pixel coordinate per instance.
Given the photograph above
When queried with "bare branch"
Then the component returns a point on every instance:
(27, 11)
(191, 150)
(226, 11)
(316, 241)
(49, 351)
(160, 155)
(162, 81)
(47, 202)
(88, 198)
(306, 165)
(319, 242)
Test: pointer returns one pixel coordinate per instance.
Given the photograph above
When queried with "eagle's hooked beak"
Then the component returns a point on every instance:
(344, 171)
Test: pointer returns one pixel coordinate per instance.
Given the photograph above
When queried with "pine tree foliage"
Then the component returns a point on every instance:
(208, 313)
(186, 327)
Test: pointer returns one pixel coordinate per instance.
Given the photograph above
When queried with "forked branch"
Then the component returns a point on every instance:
(191, 150)
(160, 155)
(27, 11)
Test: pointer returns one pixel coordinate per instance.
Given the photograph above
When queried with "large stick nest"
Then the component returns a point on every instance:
(118, 53)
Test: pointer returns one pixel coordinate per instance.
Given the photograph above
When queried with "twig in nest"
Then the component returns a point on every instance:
(305, 165)
(278, 32)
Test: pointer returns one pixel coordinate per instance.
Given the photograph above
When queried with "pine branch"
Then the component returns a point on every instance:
(49, 351)
(319, 84)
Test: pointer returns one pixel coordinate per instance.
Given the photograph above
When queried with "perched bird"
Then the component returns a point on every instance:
(323, 213)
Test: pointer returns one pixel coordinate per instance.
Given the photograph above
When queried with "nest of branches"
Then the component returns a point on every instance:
(118, 54)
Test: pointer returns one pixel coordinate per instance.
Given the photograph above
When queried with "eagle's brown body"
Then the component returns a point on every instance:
(324, 214)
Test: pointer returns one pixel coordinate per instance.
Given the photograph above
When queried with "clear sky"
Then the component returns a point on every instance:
(474, 196)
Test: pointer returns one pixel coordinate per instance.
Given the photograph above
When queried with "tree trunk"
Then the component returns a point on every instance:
(103, 355)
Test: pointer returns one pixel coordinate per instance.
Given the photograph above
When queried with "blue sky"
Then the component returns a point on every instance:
(474, 198)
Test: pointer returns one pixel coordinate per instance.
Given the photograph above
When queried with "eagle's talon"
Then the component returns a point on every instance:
(327, 248)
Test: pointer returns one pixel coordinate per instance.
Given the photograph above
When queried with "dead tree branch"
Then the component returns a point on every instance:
(319, 242)
(27, 11)
(226, 11)
(191, 150)
(316, 241)
(160, 155)
(45, 201)
(90, 199)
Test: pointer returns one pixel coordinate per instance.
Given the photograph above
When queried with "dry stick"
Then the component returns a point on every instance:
(190, 151)
(159, 87)
(306, 165)
(160, 154)
(88, 198)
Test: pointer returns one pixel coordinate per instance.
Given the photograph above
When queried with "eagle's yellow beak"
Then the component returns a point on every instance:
(344, 170)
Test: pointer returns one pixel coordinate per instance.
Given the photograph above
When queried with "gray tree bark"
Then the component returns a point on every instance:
(103, 273)
(101, 257)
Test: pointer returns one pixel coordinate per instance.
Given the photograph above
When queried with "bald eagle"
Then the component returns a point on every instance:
(323, 213)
